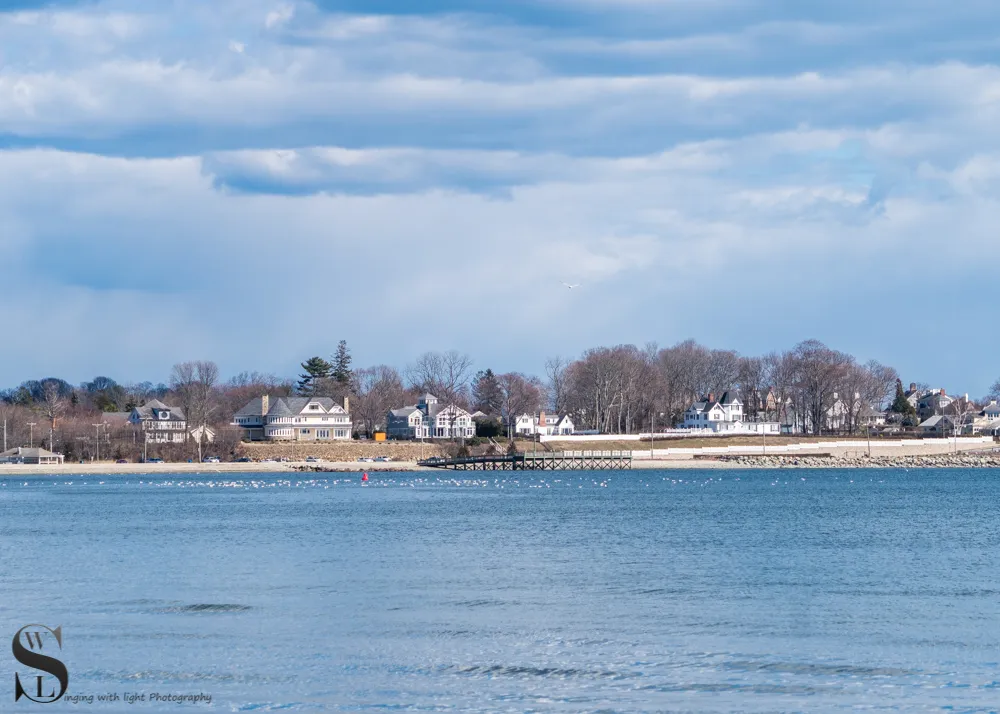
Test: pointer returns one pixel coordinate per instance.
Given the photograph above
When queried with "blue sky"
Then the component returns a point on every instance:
(252, 181)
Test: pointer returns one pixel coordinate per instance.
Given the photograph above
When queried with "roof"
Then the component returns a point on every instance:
(729, 398)
(936, 395)
(428, 397)
(935, 421)
(251, 408)
(868, 411)
(403, 413)
(23, 452)
(288, 406)
(146, 410)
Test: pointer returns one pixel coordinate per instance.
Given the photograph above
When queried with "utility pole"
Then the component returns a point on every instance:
(31, 434)
(5, 434)
(652, 434)
(97, 428)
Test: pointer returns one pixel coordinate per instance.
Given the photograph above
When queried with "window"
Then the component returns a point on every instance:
(322, 433)
(305, 431)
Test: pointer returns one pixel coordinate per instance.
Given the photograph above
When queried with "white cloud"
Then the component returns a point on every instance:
(279, 16)
(663, 228)
(723, 172)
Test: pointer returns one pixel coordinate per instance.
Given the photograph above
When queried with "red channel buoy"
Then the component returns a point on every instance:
(364, 477)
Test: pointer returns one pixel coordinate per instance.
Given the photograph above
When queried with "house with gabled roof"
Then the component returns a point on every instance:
(160, 423)
(429, 419)
(544, 424)
(724, 414)
(940, 424)
(712, 413)
(268, 418)
(22, 455)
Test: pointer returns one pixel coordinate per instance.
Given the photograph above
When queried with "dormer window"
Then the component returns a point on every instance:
(164, 414)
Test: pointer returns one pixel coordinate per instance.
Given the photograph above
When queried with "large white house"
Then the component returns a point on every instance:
(160, 423)
(724, 415)
(712, 413)
(544, 425)
(294, 419)
(429, 419)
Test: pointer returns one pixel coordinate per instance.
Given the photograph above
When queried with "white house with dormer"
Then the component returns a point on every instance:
(544, 425)
(269, 418)
(724, 415)
(429, 419)
(160, 424)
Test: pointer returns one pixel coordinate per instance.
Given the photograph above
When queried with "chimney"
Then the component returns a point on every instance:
(913, 386)
(265, 405)
(347, 404)
(541, 419)
(711, 397)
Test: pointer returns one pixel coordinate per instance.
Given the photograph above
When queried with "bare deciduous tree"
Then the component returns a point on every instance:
(519, 394)
(752, 379)
(194, 383)
(52, 407)
(607, 389)
(444, 374)
(378, 390)
(555, 371)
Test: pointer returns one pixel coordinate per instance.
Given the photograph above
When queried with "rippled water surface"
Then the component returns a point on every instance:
(643, 591)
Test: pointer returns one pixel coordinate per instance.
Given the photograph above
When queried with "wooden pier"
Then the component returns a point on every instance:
(541, 461)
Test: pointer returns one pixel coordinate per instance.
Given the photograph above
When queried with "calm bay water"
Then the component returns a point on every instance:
(644, 591)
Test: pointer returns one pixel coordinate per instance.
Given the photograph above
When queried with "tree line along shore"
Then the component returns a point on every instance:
(622, 389)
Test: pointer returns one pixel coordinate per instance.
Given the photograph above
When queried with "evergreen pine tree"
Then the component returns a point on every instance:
(486, 393)
(341, 368)
(902, 406)
(316, 369)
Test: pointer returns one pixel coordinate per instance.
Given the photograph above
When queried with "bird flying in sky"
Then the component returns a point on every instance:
(575, 285)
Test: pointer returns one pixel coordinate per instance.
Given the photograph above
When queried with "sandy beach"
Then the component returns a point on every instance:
(220, 468)
(292, 467)
(967, 460)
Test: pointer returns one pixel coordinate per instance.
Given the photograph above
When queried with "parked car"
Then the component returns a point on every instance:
(365, 459)
(383, 458)
(211, 460)
(154, 461)
(284, 459)
(313, 460)
(122, 461)
(244, 460)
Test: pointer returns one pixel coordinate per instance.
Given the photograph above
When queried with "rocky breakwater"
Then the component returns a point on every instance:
(352, 467)
(939, 461)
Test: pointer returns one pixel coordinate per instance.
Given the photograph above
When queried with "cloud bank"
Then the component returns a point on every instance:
(250, 182)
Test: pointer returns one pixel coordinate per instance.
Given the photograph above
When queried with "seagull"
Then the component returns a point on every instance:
(576, 285)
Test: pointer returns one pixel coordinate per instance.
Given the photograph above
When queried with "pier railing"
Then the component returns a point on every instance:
(538, 461)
